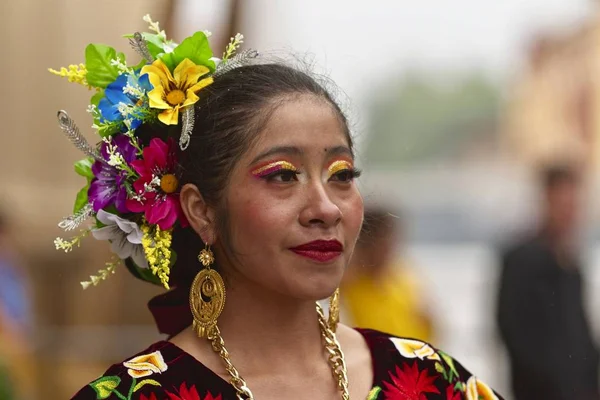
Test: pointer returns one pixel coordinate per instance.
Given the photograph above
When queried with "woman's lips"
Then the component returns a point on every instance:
(320, 250)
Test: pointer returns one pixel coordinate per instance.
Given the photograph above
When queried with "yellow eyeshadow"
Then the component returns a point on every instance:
(272, 167)
(338, 166)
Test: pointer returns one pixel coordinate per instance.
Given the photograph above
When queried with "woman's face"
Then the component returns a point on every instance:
(294, 211)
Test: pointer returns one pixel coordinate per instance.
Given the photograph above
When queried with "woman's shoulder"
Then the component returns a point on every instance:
(406, 365)
(162, 371)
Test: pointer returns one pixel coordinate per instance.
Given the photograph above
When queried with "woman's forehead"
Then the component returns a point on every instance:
(302, 125)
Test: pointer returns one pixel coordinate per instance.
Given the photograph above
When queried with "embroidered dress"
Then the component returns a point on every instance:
(404, 369)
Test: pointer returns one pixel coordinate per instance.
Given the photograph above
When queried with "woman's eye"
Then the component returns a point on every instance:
(346, 175)
(283, 176)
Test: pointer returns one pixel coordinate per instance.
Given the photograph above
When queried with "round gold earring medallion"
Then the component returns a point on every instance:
(207, 300)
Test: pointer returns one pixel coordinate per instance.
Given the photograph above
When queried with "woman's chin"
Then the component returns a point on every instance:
(316, 292)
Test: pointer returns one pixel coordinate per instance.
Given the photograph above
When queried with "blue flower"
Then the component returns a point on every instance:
(115, 97)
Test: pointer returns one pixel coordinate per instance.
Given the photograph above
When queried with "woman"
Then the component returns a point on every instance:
(261, 199)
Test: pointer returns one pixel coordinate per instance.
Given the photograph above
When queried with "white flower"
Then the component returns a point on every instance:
(92, 109)
(411, 348)
(115, 160)
(116, 62)
(124, 109)
(477, 390)
(125, 237)
(134, 90)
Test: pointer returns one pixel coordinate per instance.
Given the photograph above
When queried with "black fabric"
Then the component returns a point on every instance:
(543, 324)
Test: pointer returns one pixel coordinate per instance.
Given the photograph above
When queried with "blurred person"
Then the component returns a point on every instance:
(254, 161)
(540, 313)
(15, 320)
(381, 290)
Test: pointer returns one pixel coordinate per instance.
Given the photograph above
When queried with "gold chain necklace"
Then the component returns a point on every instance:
(335, 357)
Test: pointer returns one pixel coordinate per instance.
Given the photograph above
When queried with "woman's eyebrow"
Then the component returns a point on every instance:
(284, 150)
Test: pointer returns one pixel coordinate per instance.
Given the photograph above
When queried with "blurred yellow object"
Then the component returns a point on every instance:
(389, 303)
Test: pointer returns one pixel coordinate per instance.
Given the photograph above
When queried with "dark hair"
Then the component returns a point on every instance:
(555, 175)
(377, 221)
(228, 116)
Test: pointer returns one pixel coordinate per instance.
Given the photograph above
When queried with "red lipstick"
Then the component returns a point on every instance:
(319, 250)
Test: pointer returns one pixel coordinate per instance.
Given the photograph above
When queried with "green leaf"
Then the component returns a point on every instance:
(82, 198)
(145, 382)
(84, 168)
(95, 100)
(374, 393)
(109, 128)
(195, 47)
(156, 44)
(144, 274)
(450, 362)
(105, 386)
(439, 367)
(140, 64)
(98, 59)
(460, 386)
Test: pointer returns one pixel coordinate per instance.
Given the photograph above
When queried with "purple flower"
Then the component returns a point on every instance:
(108, 185)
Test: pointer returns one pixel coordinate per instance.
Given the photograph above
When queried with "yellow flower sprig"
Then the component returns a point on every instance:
(111, 268)
(157, 248)
(74, 73)
(68, 245)
(233, 45)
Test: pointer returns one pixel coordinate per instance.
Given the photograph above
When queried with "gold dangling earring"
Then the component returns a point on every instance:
(334, 310)
(207, 296)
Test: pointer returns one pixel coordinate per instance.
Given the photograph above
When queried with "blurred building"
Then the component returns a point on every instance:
(77, 334)
(552, 113)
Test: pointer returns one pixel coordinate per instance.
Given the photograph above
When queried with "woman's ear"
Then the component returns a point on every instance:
(199, 214)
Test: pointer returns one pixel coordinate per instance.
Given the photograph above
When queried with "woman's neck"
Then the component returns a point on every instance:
(266, 328)
(263, 332)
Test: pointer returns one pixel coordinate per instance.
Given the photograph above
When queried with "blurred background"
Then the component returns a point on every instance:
(456, 107)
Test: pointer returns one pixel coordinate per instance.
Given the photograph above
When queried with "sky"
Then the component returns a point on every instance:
(361, 44)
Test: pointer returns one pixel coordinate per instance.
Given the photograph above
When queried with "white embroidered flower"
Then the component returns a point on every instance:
(125, 237)
(477, 390)
(410, 348)
(146, 364)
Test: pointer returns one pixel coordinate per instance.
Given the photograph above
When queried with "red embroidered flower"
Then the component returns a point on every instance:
(409, 384)
(451, 394)
(190, 394)
(152, 397)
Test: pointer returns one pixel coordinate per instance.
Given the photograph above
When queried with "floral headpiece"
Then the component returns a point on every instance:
(132, 189)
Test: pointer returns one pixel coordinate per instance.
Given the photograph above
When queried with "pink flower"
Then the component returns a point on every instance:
(156, 191)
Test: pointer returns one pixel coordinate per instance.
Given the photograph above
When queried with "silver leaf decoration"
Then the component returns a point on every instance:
(73, 133)
(73, 221)
(188, 126)
(239, 60)
(141, 47)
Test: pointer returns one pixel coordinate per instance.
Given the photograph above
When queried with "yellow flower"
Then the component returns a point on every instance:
(477, 390)
(157, 248)
(145, 365)
(415, 349)
(74, 73)
(173, 92)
